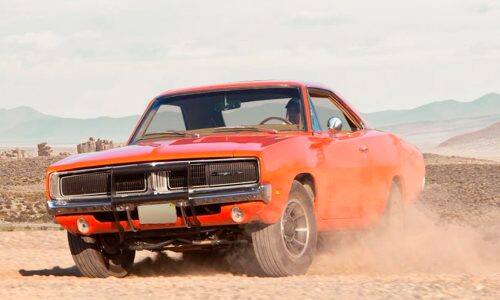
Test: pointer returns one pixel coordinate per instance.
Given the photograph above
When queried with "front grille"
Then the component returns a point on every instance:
(130, 182)
(211, 174)
(98, 183)
(198, 175)
(202, 175)
(178, 178)
(232, 172)
(85, 184)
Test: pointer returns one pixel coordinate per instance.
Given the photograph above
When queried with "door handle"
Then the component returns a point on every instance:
(363, 148)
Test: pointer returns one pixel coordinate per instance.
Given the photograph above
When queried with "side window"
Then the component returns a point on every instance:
(325, 109)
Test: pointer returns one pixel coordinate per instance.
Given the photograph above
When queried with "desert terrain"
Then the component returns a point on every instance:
(448, 247)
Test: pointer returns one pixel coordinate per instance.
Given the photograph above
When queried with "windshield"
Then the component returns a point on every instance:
(267, 110)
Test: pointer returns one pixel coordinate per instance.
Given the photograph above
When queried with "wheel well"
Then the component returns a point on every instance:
(399, 181)
(307, 180)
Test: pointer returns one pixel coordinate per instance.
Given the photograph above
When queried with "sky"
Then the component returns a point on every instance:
(93, 58)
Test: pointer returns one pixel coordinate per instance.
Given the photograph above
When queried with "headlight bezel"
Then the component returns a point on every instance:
(54, 186)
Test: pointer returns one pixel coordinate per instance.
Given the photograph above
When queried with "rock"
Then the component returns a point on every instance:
(93, 145)
(44, 149)
(14, 153)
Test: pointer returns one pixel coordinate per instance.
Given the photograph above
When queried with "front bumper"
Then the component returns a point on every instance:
(254, 193)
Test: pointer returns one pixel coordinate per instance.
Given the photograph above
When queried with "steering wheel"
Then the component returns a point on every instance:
(285, 121)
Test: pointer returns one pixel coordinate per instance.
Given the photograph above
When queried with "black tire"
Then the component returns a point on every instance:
(394, 212)
(275, 248)
(93, 261)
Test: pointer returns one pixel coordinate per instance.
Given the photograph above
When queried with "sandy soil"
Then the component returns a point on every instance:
(448, 246)
(47, 271)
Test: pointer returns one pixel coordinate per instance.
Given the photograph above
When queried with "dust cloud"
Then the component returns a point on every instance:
(420, 243)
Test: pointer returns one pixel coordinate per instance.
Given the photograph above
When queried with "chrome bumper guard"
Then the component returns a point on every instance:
(227, 196)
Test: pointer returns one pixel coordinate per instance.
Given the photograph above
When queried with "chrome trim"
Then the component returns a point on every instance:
(150, 190)
(334, 124)
(261, 193)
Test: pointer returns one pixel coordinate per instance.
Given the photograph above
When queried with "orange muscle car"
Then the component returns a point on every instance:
(265, 165)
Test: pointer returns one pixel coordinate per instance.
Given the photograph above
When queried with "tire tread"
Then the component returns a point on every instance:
(267, 244)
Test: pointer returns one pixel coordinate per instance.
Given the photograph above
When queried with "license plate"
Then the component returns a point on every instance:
(157, 213)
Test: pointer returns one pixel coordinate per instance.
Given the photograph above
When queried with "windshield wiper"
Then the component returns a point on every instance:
(245, 128)
(169, 132)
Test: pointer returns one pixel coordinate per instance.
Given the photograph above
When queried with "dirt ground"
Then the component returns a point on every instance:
(47, 271)
(448, 247)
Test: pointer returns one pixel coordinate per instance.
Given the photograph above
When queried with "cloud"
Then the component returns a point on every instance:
(486, 49)
(35, 41)
(486, 7)
(122, 52)
(309, 18)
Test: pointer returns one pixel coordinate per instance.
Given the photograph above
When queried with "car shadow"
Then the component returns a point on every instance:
(55, 271)
(161, 264)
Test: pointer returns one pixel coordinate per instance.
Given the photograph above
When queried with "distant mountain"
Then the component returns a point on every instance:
(428, 135)
(10, 118)
(26, 126)
(483, 143)
(486, 105)
(425, 126)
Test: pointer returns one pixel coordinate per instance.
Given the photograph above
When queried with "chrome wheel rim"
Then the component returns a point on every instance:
(295, 228)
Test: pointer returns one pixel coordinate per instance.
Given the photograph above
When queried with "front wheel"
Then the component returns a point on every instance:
(288, 246)
(96, 260)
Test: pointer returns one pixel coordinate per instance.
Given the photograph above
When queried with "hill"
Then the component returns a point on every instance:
(428, 135)
(488, 104)
(26, 126)
(426, 125)
(490, 134)
(483, 143)
(10, 118)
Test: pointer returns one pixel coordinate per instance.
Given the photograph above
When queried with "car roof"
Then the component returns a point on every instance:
(242, 84)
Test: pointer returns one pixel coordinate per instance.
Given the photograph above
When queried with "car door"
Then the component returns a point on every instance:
(345, 159)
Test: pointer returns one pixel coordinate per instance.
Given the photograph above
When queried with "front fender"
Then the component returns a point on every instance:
(280, 164)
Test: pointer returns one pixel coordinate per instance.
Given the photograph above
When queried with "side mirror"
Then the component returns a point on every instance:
(334, 124)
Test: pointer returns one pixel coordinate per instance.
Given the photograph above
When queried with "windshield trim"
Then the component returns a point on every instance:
(137, 134)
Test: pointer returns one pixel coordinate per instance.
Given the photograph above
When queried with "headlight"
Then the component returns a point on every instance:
(54, 190)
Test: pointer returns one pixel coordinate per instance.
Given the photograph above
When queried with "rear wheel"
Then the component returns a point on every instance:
(288, 246)
(394, 213)
(97, 259)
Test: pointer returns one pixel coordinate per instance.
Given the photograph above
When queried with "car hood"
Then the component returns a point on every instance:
(237, 145)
